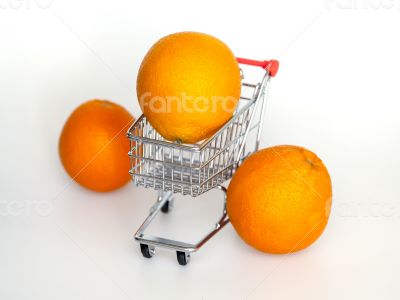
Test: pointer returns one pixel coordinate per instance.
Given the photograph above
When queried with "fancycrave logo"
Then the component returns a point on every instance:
(25, 4)
(363, 4)
(187, 104)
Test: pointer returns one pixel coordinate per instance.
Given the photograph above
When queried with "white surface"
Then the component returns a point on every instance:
(337, 93)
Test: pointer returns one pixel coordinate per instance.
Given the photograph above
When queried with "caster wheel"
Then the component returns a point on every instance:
(183, 258)
(166, 207)
(147, 251)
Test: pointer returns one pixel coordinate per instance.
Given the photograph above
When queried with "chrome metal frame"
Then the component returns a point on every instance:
(176, 245)
(192, 169)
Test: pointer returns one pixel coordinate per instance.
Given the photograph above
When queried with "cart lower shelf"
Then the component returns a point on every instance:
(148, 243)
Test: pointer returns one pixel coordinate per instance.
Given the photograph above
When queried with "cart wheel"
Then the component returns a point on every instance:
(165, 208)
(183, 258)
(147, 251)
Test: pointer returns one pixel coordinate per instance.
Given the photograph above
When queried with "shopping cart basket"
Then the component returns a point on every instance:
(192, 169)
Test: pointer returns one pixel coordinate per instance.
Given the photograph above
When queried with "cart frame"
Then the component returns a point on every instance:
(193, 169)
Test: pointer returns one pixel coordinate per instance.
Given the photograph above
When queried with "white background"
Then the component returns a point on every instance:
(337, 93)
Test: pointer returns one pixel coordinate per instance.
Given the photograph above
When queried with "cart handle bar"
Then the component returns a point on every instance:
(271, 66)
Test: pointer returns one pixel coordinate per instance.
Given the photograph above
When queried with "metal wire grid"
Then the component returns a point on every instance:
(196, 168)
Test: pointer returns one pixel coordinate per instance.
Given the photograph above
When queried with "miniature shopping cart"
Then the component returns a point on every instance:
(192, 169)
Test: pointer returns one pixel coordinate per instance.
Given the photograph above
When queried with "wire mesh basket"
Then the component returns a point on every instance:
(192, 169)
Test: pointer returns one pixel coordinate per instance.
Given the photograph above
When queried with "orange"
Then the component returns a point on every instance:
(279, 199)
(93, 146)
(188, 86)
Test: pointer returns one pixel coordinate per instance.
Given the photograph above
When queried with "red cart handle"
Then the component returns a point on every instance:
(272, 66)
